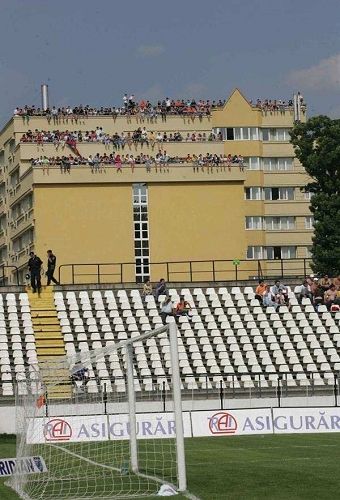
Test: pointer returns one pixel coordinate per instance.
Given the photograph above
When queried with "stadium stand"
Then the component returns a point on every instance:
(228, 340)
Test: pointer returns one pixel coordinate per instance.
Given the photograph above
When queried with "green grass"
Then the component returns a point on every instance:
(282, 467)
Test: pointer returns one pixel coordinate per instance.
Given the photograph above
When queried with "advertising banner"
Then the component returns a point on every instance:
(231, 422)
(306, 420)
(25, 465)
(103, 427)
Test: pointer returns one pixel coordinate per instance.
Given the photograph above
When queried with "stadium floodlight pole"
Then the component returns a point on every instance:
(132, 408)
(176, 382)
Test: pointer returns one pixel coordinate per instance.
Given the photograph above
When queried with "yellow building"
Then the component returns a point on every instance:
(175, 214)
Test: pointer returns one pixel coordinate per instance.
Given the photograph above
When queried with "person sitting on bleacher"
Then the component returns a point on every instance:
(147, 288)
(325, 283)
(268, 300)
(318, 294)
(166, 310)
(183, 307)
(305, 292)
(160, 288)
(330, 296)
(260, 290)
(280, 293)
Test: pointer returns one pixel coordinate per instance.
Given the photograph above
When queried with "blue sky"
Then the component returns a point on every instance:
(91, 52)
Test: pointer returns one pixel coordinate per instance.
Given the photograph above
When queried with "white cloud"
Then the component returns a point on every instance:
(150, 50)
(323, 76)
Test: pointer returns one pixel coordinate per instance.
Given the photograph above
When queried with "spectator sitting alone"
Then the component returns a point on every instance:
(305, 292)
(330, 296)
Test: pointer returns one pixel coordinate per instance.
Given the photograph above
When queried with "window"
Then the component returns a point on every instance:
(253, 193)
(275, 134)
(309, 222)
(141, 232)
(254, 222)
(279, 193)
(309, 252)
(238, 133)
(277, 164)
(279, 223)
(278, 252)
(255, 252)
(3, 221)
(15, 178)
(3, 254)
(308, 195)
(23, 241)
(246, 134)
(253, 162)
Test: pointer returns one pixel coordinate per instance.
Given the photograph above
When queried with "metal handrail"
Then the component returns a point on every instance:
(218, 270)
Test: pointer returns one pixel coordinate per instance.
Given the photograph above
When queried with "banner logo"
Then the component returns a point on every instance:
(57, 430)
(222, 423)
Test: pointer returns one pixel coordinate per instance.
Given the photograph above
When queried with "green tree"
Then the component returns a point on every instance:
(317, 146)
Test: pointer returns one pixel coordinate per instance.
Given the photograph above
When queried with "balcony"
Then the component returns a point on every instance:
(181, 149)
(166, 173)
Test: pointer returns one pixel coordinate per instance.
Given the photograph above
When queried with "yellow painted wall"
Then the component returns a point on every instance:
(237, 112)
(85, 224)
(195, 222)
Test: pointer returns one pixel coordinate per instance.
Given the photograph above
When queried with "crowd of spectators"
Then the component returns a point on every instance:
(145, 108)
(139, 136)
(277, 104)
(130, 106)
(162, 160)
(320, 291)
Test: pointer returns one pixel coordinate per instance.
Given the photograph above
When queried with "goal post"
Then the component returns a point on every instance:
(103, 439)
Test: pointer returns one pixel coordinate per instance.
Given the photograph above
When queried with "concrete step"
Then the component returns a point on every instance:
(45, 321)
(49, 343)
(44, 313)
(47, 328)
(50, 351)
(44, 335)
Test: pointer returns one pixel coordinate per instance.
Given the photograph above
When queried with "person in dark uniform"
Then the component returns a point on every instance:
(34, 266)
(51, 265)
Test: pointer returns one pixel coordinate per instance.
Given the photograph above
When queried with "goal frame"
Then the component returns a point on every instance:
(70, 364)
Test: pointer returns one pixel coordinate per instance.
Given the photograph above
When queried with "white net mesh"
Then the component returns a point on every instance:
(81, 427)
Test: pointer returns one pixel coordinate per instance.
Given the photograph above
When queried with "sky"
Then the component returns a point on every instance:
(93, 51)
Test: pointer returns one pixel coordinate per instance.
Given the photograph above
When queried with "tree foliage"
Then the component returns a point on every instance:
(317, 146)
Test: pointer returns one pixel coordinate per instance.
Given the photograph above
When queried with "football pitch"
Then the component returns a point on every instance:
(296, 466)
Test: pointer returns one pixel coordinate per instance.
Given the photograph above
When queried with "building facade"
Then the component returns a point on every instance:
(144, 219)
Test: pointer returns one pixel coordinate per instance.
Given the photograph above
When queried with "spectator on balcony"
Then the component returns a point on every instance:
(118, 163)
(160, 289)
(166, 309)
(260, 290)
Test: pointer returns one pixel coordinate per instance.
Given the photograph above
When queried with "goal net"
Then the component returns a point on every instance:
(92, 436)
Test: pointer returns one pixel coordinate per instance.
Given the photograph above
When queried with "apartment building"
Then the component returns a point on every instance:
(175, 214)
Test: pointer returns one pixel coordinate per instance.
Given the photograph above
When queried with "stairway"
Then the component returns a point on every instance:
(49, 340)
